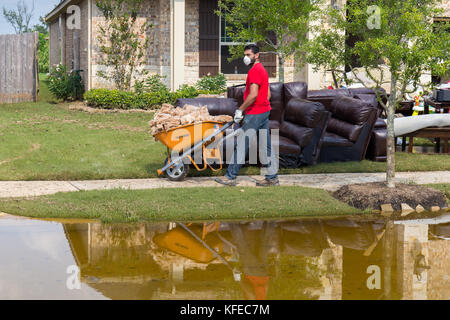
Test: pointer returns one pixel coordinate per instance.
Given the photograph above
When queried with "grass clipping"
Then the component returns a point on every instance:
(170, 117)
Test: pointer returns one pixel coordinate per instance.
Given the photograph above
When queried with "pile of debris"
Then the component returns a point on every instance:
(169, 117)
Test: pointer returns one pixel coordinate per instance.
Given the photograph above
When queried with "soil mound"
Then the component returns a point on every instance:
(373, 195)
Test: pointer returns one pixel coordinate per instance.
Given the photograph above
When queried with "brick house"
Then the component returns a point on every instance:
(188, 42)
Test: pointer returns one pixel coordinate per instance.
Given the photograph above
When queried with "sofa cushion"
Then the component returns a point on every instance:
(372, 100)
(274, 124)
(303, 112)
(287, 146)
(344, 129)
(326, 96)
(276, 101)
(362, 90)
(216, 106)
(294, 90)
(369, 98)
(380, 124)
(331, 139)
(300, 135)
(237, 93)
(367, 91)
(377, 145)
(351, 110)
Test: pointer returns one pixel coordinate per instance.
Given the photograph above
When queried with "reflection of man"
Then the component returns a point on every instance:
(257, 108)
(253, 248)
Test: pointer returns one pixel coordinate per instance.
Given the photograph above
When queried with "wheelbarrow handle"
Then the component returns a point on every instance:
(195, 147)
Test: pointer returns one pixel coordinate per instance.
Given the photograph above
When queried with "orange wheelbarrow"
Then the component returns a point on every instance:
(188, 139)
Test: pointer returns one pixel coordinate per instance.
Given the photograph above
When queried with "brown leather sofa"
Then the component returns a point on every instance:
(314, 126)
(349, 130)
(376, 149)
(301, 123)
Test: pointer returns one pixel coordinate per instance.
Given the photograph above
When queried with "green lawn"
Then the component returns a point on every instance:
(444, 187)
(183, 204)
(48, 141)
(186, 204)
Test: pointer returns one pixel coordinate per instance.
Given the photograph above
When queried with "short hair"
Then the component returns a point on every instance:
(253, 47)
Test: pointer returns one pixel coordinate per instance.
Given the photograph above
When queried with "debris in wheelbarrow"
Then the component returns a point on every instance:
(189, 139)
(169, 117)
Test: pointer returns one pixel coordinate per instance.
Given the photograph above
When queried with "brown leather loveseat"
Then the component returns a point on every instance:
(376, 149)
(349, 129)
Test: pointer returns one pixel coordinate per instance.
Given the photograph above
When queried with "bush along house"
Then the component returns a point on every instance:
(188, 40)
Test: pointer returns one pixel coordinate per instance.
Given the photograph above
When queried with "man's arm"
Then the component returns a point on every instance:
(269, 95)
(251, 98)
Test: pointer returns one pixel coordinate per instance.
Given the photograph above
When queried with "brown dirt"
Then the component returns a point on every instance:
(119, 127)
(81, 106)
(373, 195)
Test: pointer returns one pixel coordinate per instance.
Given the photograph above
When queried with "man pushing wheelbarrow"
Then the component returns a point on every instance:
(256, 108)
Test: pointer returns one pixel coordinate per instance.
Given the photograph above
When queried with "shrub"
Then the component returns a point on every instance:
(151, 84)
(141, 98)
(185, 91)
(65, 85)
(154, 83)
(117, 99)
(215, 85)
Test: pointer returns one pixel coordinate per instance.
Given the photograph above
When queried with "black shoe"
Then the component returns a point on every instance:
(226, 181)
(268, 183)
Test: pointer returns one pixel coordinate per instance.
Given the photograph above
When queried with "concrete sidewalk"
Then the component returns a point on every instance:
(329, 181)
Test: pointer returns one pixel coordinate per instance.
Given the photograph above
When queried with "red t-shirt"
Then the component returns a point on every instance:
(258, 75)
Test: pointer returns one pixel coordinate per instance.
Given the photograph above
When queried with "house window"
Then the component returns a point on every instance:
(236, 66)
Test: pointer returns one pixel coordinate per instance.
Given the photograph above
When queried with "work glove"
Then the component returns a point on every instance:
(238, 116)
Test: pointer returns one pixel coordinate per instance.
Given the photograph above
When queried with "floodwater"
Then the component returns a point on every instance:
(335, 258)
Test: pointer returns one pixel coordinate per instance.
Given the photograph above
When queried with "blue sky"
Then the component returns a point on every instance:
(41, 8)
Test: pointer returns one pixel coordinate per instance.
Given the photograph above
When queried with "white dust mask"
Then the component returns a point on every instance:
(247, 60)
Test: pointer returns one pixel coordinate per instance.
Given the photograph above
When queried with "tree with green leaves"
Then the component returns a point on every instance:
(44, 46)
(279, 27)
(397, 43)
(123, 50)
(20, 18)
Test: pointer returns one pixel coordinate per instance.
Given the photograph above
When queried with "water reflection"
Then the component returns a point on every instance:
(304, 259)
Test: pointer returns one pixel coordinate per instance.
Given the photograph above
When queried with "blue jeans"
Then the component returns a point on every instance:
(251, 125)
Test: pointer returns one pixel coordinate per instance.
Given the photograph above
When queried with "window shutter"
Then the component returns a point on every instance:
(209, 38)
(269, 60)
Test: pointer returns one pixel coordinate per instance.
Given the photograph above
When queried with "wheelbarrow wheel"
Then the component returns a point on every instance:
(177, 172)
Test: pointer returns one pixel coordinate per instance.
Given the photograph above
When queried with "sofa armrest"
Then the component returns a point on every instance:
(301, 135)
(304, 112)
(380, 124)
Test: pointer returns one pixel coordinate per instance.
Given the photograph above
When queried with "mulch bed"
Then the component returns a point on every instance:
(373, 195)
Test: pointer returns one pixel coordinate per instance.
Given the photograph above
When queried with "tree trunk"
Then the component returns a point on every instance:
(281, 68)
(333, 73)
(390, 142)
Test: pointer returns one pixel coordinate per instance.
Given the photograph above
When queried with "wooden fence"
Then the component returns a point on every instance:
(19, 69)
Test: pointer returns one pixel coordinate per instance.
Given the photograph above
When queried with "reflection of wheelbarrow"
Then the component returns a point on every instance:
(188, 139)
(200, 244)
